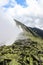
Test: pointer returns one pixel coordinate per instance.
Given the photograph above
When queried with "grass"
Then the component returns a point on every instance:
(23, 52)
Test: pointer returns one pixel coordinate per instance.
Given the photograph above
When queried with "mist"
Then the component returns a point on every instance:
(8, 30)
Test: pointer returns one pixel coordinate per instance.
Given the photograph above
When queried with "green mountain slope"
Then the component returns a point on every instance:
(27, 51)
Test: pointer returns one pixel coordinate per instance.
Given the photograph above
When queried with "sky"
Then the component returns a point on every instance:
(29, 12)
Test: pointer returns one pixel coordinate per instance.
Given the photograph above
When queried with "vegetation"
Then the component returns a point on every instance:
(27, 51)
(22, 52)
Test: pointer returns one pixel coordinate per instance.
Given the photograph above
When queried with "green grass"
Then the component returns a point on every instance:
(23, 52)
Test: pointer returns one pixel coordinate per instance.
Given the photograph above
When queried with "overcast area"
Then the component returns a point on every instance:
(29, 12)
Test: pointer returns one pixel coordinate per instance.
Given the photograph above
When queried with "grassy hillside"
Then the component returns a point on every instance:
(27, 51)
(23, 52)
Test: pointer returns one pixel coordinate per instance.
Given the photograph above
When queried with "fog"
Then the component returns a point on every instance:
(8, 30)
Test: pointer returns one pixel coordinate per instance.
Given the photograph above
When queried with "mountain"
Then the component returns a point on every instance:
(25, 28)
(34, 31)
(38, 31)
(25, 51)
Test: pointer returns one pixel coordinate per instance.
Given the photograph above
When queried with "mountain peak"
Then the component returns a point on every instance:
(25, 28)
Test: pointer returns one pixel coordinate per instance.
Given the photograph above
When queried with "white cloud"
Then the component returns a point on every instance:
(3, 2)
(24, 14)
(34, 7)
(8, 32)
(27, 15)
(30, 16)
(40, 2)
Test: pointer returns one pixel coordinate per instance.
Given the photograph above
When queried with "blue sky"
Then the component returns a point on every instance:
(19, 2)
(22, 2)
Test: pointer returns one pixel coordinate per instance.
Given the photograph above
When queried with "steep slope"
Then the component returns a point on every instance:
(27, 51)
(38, 31)
(25, 28)
(22, 52)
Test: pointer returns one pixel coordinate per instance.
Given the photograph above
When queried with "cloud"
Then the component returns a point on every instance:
(40, 2)
(32, 16)
(11, 3)
(8, 29)
(33, 7)
(3, 2)
(27, 15)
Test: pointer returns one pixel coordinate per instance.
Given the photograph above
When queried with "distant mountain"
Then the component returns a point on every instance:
(38, 31)
(25, 28)
(34, 31)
